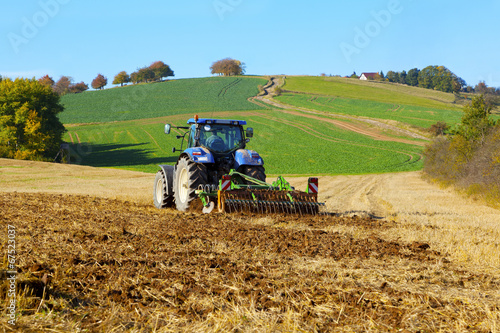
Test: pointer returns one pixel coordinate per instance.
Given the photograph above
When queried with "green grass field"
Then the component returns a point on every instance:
(419, 116)
(289, 145)
(373, 91)
(185, 96)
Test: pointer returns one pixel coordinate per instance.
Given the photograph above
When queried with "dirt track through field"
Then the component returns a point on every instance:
(267, 100)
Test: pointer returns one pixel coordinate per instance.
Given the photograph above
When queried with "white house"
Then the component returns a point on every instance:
(368, 76)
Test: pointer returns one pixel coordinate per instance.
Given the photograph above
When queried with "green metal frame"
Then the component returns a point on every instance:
(279, 185)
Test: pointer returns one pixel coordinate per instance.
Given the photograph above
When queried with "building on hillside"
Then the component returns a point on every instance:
(369, 76)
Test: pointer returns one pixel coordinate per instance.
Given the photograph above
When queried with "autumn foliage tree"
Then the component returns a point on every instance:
(228, 67)
(61, 87)
(46, 81)
(78, 87)
(160, 70)
(99, 82)
(29, 126)
(121, 78)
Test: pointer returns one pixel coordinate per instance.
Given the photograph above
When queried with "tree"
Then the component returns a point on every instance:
(1, 78)
(78, 88)
(29, 126)
(392, 76)
(134, 78)
(412, 77)
(354, 75)
(481, 87)
(438, 128)
(62, 85)
(458, 84)
(425, 77)
(46, 81)
(99, 82)
(475, 121)
(402, 77)
(228, 67)
(121, 78)
(145, 74)
(160, 70)
(382, 76)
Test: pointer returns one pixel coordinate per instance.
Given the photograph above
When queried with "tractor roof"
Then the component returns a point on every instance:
(217, 121)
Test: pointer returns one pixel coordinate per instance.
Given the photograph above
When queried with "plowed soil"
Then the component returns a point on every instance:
(95, 264)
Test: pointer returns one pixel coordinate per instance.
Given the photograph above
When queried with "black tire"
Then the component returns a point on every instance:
(188, 177)
(161, 199)
(257, 172)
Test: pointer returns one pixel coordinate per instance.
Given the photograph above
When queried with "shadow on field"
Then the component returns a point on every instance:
(115, 155)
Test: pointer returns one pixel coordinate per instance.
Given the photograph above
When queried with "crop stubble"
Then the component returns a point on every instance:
(120, 265)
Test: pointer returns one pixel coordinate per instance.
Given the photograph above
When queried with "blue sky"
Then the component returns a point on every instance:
(83, 38)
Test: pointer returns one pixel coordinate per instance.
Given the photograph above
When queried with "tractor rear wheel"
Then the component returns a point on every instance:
(188, 176)
(161, 198)
(257, 172)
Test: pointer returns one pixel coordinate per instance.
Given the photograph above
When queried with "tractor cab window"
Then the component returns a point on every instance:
(191, 140)
(221, 138)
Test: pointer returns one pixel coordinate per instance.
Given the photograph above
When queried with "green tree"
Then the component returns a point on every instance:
(426, 77)
(99, 82)
(29, 126)
(145, 74)
(392, 76)
(121, 78)
(412, 77)
(402, 77)
(476, 120)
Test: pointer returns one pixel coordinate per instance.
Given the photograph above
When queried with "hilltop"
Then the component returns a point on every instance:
(153, 100)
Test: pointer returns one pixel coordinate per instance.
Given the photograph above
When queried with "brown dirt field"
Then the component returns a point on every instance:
(100, 262)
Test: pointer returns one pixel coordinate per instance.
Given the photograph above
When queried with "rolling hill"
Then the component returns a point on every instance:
(161, 99)
(123, 127)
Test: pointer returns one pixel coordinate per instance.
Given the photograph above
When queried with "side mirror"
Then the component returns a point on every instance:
(249, 132)
(167, 129)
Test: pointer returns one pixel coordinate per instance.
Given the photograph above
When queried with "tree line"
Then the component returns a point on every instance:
(157, 71)
(468, 157)
(436, 78)
(65, 85)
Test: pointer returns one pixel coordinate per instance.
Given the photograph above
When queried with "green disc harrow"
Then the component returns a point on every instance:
(240, 193)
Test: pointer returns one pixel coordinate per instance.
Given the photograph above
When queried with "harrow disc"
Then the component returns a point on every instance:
(269, 202)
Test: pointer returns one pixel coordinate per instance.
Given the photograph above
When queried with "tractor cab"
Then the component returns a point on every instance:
(216, 137)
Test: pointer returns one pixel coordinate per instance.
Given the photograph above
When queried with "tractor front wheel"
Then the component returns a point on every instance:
(188, 176)
(257, 172)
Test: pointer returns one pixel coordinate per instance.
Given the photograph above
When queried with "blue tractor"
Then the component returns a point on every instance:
(215, 147)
